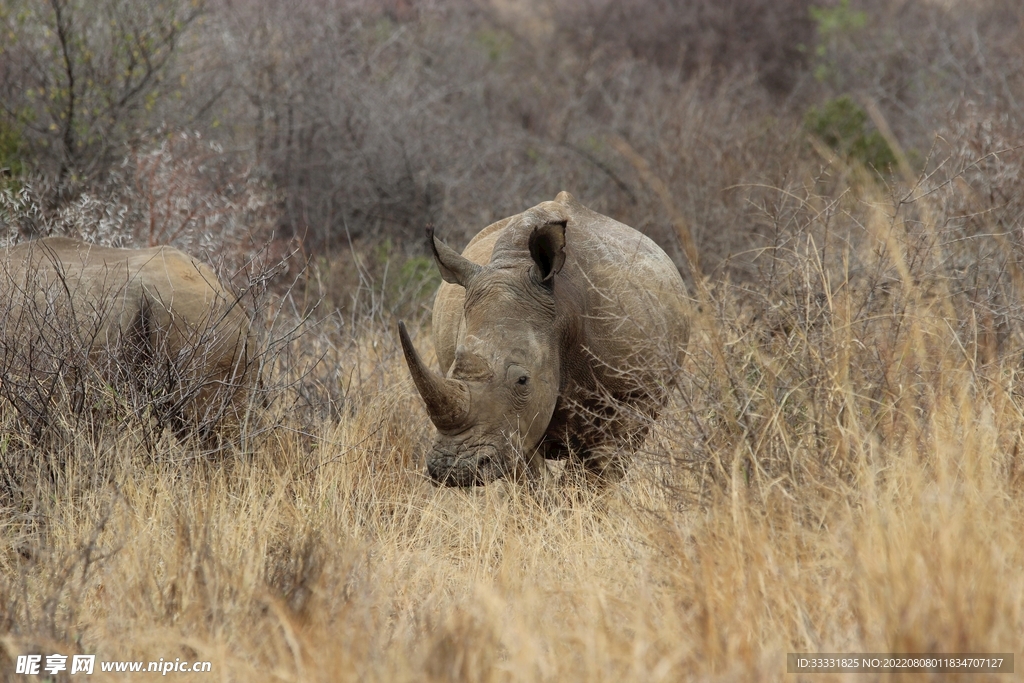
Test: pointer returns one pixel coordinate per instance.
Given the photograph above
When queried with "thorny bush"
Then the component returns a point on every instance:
(870, 304)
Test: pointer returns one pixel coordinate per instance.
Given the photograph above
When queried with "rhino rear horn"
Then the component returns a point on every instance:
(455, 268)
(447, 399)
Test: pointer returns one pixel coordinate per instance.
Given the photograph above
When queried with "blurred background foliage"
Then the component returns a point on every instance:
(320, 127)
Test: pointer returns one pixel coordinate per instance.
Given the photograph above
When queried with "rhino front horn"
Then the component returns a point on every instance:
(447, 399)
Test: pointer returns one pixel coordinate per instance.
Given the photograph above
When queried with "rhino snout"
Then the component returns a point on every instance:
(480, 467)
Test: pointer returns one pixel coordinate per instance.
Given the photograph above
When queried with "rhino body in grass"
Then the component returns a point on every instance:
(156, 319)
(558, 332)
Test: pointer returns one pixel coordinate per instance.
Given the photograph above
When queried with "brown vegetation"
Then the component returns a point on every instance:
(838, 469)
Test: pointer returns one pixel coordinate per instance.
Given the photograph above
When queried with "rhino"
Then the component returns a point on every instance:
(156, 317)
(558, 333)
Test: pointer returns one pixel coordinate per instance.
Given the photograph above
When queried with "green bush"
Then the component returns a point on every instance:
(12, 164)
(843, 125)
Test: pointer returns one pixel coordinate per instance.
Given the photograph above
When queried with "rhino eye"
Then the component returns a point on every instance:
(518, 376)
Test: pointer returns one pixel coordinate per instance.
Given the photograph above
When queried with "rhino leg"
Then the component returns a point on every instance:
(597, 463)
(607, 434)
(595, 470)
(606, 465)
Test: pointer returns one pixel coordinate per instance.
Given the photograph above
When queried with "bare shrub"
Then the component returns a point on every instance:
(460, 118)
(184, 192)
(190, 194)
(767, 39)
(919, 60)
(24, 215)
(79, 79)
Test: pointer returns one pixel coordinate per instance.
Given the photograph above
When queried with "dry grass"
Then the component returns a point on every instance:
(838, 472)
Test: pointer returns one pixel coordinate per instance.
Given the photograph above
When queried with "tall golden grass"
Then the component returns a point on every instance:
(837, 472)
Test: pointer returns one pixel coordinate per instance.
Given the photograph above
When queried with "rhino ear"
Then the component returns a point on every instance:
(547, 249)
(455, 268)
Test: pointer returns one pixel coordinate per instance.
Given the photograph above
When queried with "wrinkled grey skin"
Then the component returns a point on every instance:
(558, 331)
(168, 306)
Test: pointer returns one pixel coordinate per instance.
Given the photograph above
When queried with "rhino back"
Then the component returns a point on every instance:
(634, 311)
(107, 288)
(111, 283)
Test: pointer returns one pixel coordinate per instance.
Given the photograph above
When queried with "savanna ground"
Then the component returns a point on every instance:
(838, 470)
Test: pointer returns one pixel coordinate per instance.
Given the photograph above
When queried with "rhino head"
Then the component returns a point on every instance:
(493, 407)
